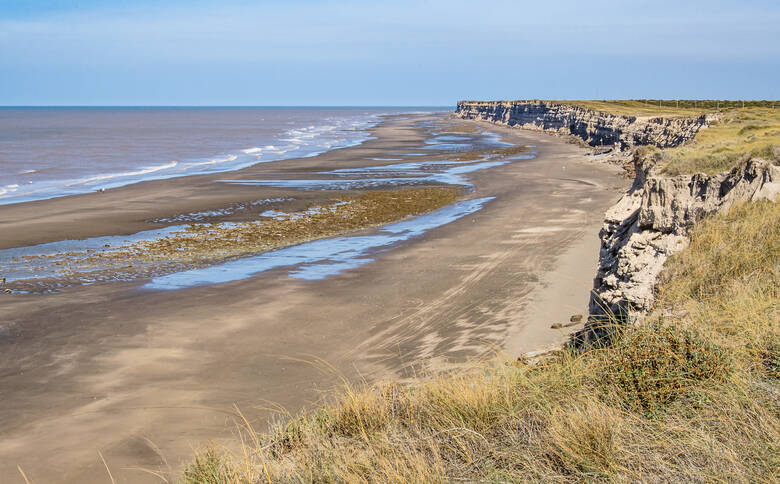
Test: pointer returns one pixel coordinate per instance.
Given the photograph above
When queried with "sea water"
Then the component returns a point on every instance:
(50, 152)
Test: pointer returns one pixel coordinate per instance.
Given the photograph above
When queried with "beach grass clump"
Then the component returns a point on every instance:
(211, 466)
(690, 397)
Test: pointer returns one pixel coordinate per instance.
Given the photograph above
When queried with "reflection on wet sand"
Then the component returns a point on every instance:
(322, 258)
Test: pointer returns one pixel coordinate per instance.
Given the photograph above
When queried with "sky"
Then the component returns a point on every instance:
(383, 53)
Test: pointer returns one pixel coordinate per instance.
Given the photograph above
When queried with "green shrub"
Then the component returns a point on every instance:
(651, 367)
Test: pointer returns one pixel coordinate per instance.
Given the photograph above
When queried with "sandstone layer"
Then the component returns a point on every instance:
(596, 128)
(652, 221)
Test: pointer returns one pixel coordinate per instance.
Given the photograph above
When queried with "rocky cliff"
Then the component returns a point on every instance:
(652, 221)
(594, 127)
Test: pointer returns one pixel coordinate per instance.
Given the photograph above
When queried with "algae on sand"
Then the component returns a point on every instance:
(201, 244)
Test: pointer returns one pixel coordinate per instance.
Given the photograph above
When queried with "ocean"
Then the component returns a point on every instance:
(51, 152)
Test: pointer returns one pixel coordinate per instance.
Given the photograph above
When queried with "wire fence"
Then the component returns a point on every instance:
(716, 104)
(702, 104)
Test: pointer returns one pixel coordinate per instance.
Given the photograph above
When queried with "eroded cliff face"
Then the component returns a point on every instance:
(652, 221)
(594, 127)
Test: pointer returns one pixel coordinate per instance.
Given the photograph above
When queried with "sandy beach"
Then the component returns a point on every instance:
(143, 376)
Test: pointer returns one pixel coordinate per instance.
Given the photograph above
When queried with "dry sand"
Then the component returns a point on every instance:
(135, 374)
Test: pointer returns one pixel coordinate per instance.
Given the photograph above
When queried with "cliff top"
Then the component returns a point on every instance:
(655, 107)
(733, 131)
(737, 133)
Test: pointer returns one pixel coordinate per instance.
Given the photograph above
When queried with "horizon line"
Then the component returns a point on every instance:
(226, 106)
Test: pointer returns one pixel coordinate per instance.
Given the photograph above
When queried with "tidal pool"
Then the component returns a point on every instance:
(321, 258)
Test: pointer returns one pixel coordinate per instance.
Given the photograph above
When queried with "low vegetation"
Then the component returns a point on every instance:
(743, 129)
(739, 133)
(668, 107)
(692, 396)
(658, 107)
(647, 107)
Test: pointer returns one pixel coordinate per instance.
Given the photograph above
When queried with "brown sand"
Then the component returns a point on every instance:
(129, 373)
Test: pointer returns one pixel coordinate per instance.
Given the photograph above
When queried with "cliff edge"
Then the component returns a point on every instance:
(652, 220)
(596, 128)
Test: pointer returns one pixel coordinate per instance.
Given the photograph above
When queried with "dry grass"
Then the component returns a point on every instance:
(644, 108)
(692, 397)
(727, 285)
(741, 131)
(745, 128)
(668, 108)
(654, 107)
(738, 133)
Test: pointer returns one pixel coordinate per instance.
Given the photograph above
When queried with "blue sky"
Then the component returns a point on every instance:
(375, 52)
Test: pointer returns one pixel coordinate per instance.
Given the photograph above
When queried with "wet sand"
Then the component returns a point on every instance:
(135, 373)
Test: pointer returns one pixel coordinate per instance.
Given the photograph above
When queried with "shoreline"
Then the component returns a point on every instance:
(111, 368)
(197, 246)
(137, 193)
(128, 209)
(290, 137)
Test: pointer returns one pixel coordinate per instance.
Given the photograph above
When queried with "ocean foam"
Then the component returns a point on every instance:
(215, 161)
(108, 176)
(333, 132)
